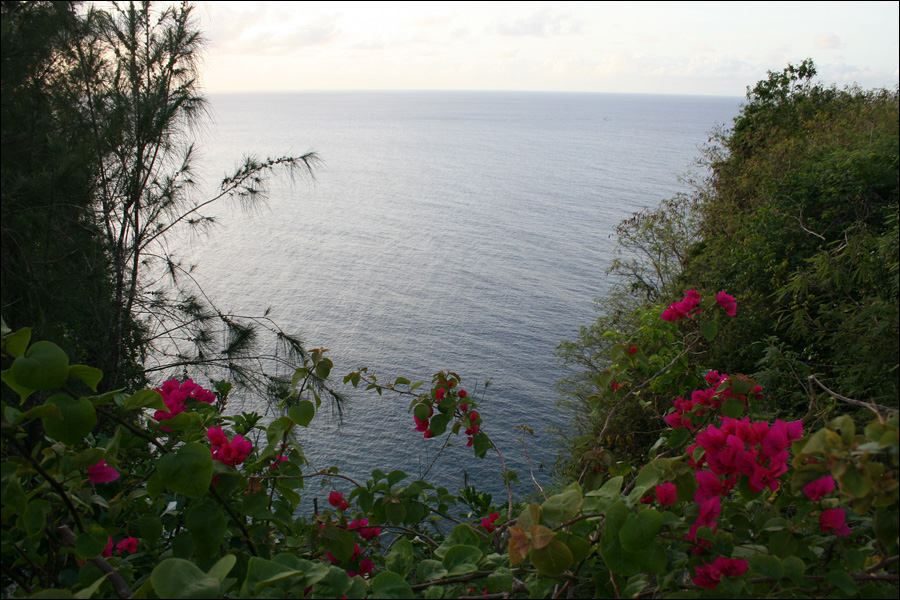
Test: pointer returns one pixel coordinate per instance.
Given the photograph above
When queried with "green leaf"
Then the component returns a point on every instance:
(89, 375)
(559, 508)
(843, 581)
(17, 343)
(302, 414)
(323, 368)
(853, 482)
(89, 590)
(207, 524)
(541, 536)
(92, 542)
(78, 418)
(635, 585)
(396, 476)
(262, 573)
(462, 535)
(339, 542)
(732, 408)
(767, 566)
(35, 517)
(144, 399)
(179, 578)
(395, 511)
(422, 411)
(578, 546)
(223, 567)
(88, 458)
(429, 570)
(653, 558)
(794, 569)
(552, 560)
(438, 424)
(481, 444)
(44, 366)
(9, 379)
(640, 530)
(400, 559)
(335, 584)
(12, 496)
(885, 526)
(709, 329)
(460, 560)
(150, 528)
(390, 585)
(40, 411)
(530, 516)
(189, 471)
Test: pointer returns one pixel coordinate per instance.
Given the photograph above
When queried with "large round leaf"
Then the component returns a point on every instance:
(390, 585)
(44, 367)
(179, 578)
(188, 471)
(78, 418)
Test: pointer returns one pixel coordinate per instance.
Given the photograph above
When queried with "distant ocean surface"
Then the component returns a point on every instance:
(467, 231)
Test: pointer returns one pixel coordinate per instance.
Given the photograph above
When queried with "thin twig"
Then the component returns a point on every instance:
(531, 466)
(870, 405)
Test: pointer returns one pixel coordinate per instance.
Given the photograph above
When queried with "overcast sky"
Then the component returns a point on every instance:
(664, 48)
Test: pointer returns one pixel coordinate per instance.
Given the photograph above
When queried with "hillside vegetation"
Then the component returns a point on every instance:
(798, 220)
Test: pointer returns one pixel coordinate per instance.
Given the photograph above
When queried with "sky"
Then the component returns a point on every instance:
(699, 48)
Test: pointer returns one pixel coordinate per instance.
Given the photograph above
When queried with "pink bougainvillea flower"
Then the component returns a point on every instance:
(633, 350)
(684, 308)
(818, 489)
(421, 424)
(100, 473)
(462, 393)
(175, 395)
(366, 566)
(230, 453)
(488, 522)
(439, 393)
(666, 494)
(128, 545)
(107, 552)
(615, 386)
(473, 416)
(707, 576)
(709, 486)
(730, 567)
(834, 520)
(336, 499)
(727, 303)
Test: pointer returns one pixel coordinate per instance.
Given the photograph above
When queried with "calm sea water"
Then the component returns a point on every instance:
(468, 231)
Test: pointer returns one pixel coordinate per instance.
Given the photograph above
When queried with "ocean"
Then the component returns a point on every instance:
(466, 231)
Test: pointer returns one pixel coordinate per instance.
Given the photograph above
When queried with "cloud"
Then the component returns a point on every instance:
(543, 23)
(828, 41)
(266, 32)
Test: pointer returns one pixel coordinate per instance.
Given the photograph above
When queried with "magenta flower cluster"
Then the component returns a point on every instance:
(101, 473)
(228, 452)
(687, 306)
(175, 395)
(710, 398)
